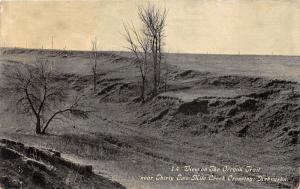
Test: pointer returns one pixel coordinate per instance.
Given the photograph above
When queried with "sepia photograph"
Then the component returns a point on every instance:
(149, 94)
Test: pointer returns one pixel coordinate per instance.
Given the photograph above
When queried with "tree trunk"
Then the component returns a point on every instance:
(159, 60)
(95, 82)
(143, 89)
(155, 67)
(166, 77)
(38, 125)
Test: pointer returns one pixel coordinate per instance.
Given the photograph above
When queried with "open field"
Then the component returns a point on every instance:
(271, 66)
(233, 111)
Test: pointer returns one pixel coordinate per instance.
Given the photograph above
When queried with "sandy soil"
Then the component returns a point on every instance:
(203, 119)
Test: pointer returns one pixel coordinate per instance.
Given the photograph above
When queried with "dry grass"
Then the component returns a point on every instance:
(124, 140)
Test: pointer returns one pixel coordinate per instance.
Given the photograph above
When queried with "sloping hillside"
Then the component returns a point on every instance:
(30, 167)
(200, 119)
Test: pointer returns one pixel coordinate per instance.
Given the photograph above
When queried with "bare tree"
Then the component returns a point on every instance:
(139, 44)
(154, 22)
(37, 93)
(93, 60)
(147, 43)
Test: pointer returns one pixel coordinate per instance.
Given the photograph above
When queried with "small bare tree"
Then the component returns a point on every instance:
(93, 60)
(37, 93)
(139, 44)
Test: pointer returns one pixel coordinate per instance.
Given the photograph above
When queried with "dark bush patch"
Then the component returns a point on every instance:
(194, 107)
(39, 179)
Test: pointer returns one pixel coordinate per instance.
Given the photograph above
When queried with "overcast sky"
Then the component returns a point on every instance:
(193, 26)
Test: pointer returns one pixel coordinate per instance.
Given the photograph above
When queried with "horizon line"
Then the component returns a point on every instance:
(124, 51)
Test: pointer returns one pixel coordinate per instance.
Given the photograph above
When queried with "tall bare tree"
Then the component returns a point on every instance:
(153, 21)
(147, 43)
(37, 93)
(139, 44)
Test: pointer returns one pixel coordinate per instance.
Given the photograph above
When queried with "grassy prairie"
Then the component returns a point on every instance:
(218, 110)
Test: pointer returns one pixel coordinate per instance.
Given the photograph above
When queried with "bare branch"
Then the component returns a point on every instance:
(36, 91)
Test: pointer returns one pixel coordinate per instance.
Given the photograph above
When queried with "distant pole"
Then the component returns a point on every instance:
(52, 41)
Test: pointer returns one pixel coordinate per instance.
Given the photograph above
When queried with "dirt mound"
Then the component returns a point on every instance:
(118, 91)
(191, 108)
(263, 94)
(269, 109)
(234, 81)
(279, 84)
(160, 115)
(188, 74)
(29, 167)
(243, 116)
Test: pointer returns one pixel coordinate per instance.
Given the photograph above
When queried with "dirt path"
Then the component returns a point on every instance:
(139, 152)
